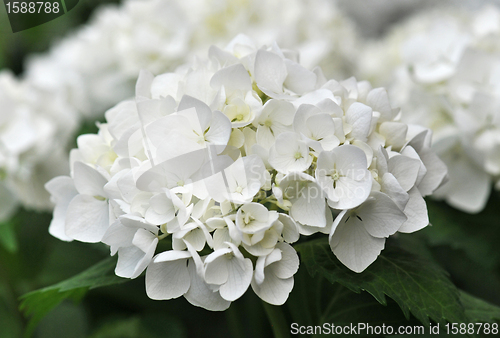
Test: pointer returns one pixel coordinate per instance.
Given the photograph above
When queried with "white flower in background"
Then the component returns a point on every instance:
(230, 193)
(33, 143)
(442, 67)
(97, 65)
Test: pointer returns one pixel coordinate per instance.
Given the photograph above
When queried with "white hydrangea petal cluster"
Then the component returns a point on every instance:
(33, 141)
(442, 68)
(226, 162)
(96, 66)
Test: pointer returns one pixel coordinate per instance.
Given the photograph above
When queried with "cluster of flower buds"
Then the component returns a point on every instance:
(213, 171)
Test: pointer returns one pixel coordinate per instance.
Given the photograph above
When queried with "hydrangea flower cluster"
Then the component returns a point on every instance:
(33, 143)
(443, 69)
(213, 171)
(97, 66)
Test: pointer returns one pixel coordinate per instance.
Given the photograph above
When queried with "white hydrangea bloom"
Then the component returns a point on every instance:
(33, 141)
(230, 192)
(442, 68)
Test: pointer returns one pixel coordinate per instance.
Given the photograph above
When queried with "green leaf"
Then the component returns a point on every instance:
(37, 304)
(315, 301)
(8, 236)
(419, 286)
(478, 310)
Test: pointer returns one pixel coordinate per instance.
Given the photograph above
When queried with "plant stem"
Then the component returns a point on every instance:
(277, 320)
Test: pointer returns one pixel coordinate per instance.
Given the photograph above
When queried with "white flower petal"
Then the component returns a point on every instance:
(234, 77)
(354, 246)
(379, 100)
(221, 236)
(436, 172)
(392, 188)
(309, 209)
(203, 114)
(289, 263)
(171, 255)
(273, 290)
(290, 231)
(468, 187)
(342, 173)
(265, 137)
(62, 191)
(394, 133)
(167, 280)
(220, 129)
(87, 180)
(200, 294)
(143, 85)
(405, 170)
(132, 260)
(118, 236)
(379, 215)
(216, 271)
(87, 219)
(299, 80)
(270, 71)
(240, 274)
(416, 211)
(359, 116)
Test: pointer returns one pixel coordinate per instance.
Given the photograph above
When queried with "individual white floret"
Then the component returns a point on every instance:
(358, 235)
(231, 271)
(273, 277)
(343, 174)
(290, 153)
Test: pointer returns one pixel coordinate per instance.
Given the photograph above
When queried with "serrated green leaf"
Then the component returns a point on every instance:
(38, 303)
(315, 301)
(478, 310)
(419, 286)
